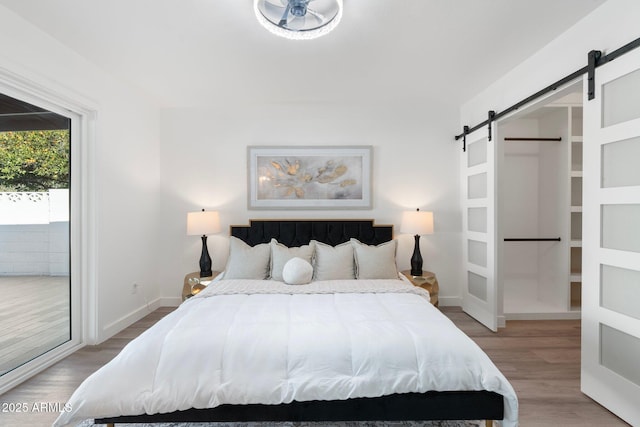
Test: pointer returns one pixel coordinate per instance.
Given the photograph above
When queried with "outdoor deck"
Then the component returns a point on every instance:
(34, 317)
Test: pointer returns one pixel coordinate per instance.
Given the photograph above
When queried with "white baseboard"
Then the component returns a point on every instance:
(127, 320)
(565, 315)
(502, 322)
(170, 301)
(450, 301)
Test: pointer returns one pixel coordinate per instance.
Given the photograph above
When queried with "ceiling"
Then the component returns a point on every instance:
(209, 52)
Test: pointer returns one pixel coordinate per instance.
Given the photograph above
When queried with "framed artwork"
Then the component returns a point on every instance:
(324, 177)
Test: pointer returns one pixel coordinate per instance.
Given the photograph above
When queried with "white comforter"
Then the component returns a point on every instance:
(245, 341)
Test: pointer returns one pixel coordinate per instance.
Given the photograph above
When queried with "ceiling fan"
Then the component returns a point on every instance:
(299, 19)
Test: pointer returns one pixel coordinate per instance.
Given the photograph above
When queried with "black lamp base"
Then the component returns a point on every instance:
(416, 259)
(205, 260)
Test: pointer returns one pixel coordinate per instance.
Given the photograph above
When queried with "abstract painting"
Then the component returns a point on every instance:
(324, 177)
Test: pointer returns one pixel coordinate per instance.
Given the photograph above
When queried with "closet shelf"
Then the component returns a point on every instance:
(576, 174)
(576, 277)
(576, 243)
(576, 138)
(576, 208)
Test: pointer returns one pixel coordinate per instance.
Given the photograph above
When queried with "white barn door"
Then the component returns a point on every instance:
(611, 239)
(479, 293)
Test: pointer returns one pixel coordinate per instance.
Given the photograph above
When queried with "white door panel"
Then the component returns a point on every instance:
(611, 239)
(479, 293)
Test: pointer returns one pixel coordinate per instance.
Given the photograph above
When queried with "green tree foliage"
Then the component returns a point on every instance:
(34, 160)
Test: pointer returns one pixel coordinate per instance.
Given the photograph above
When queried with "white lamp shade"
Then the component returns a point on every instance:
(203, 223)
(417, 222)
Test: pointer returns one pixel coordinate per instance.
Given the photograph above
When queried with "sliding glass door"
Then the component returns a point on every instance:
(35, 261)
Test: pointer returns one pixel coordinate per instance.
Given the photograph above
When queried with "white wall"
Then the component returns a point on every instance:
(609, 27)
(34, 233)
(123, 196)
(34, 249)
(204, 165)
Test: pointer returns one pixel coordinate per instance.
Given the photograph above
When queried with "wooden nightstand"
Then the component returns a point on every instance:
(427, 281)
(186, 288)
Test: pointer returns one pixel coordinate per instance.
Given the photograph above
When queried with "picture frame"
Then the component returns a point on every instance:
(309, 177)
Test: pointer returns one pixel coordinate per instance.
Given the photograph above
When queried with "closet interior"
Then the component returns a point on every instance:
(539, 211)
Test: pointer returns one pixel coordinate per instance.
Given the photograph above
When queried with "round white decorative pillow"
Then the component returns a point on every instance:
(297, 271)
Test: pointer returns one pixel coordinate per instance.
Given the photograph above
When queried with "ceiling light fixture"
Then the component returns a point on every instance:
(298, 19)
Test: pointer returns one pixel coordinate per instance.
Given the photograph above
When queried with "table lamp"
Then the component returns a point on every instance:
(417, 222)
(201, 224)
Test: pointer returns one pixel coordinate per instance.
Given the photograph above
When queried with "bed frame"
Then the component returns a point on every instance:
(450, 405)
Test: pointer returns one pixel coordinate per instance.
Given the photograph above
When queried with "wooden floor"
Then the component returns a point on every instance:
(34, 317)
(540, 359)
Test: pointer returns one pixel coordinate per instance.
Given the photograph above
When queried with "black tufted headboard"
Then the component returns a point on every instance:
(300, 232)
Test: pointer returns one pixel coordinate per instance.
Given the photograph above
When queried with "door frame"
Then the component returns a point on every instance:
(494, 167)
(83, 296)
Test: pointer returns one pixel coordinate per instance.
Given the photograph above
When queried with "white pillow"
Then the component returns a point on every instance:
(247, 262)
(297, 271)
(280, 254)
(375, 262)
(333, 262)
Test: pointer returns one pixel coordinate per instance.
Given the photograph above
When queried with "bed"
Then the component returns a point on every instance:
(277, 342)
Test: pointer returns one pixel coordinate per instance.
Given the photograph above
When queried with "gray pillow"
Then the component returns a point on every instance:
(280, 254)
(375, 262)
(333, 262)
(247, 262)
